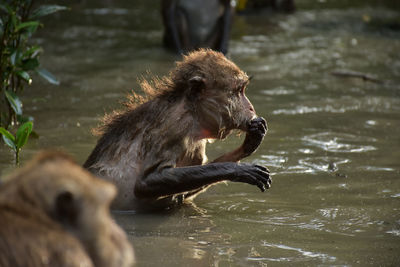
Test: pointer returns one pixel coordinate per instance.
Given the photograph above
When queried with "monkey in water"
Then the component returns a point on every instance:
(154, 151)
(191, 24)
(54, 213)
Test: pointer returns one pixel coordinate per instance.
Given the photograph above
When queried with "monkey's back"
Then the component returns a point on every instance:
(130, 141)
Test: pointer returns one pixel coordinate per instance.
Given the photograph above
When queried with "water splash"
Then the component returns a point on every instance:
(322, 163)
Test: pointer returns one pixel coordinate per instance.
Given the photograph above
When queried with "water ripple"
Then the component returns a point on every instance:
(279, 91)
(306, 109)
(273, 160)
(324, 257)
(339, 142)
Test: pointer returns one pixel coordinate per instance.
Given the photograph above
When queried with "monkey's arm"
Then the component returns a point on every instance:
(170, 181)
(255, 134)
(226, 25)
(168, 12)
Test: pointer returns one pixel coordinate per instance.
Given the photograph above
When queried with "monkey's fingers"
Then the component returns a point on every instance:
(257, 130)
(265, 178)
(258, 127)
(249, 178)
(260, 122)
(263, 168)
(261, 186)
(264, 123)
(253, 174)
(257, 182)
(262, 126)
(258, 119)
(261, 179)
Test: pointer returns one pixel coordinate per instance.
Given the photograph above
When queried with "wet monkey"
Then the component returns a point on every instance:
(54, 213)
(191, 24)
(155, 151)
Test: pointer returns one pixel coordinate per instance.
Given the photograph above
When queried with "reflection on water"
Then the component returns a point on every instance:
(332, 145)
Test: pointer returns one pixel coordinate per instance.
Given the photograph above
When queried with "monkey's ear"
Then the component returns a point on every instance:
(196, 85)
(66, 208)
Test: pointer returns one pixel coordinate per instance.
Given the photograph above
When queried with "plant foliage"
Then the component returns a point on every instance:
(19, 59)
(19, 140)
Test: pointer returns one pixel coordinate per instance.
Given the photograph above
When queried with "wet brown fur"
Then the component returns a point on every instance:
(54, 213)
(171, 88)
(167, 120)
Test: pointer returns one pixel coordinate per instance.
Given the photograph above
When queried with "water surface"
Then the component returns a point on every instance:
(332, 145)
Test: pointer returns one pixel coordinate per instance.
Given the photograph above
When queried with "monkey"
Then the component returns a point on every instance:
(54, 213)
(191, 24)
(154, 150)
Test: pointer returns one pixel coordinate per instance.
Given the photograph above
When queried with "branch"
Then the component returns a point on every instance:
(355, 74)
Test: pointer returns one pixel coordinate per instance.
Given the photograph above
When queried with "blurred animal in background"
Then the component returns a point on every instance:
(154, 150)
(54, 213)
(257, 5)
(192, 24)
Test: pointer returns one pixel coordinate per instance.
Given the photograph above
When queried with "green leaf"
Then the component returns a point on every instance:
(6, 8)
(33, 51)
(24, 75)
(47, 10)
(48, 76)
(3, 7)
(13, 19)
(14, 57)
(14, 101)
(8, 138)
(23, 133)
(22, 119)
(34, 24)
(30, 64)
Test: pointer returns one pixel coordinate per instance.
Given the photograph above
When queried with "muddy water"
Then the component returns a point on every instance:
(333, 142)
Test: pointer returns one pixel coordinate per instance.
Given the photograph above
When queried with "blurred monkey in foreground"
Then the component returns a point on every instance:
(54, 213)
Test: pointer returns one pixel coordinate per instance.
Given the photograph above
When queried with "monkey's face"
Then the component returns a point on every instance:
(80, 203)
(225, 107)
(215, 88)
(241, 109)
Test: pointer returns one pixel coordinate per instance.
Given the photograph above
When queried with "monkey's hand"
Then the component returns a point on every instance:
(255, 134)
(252, 174)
